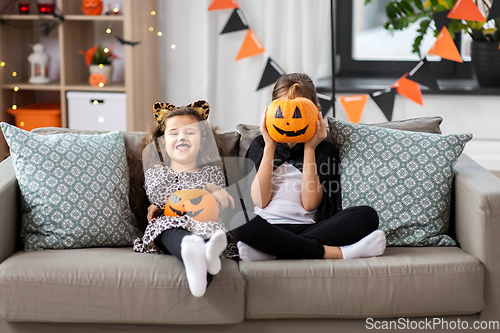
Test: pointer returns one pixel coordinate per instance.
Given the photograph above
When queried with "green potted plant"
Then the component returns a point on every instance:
(485, 53)
(99, 60)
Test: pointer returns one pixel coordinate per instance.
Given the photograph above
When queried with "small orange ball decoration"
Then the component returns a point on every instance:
(92, 7)
(197, 203)
(292, 119)
(97, 80)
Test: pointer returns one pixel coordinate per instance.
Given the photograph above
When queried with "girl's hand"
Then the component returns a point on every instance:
(265, 134)
(153, 211)
(222, 197)
(320, 134)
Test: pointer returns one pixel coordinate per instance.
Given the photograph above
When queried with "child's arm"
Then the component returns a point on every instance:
(153, 211)
(312, 192)
(220, 194)
(262, 185)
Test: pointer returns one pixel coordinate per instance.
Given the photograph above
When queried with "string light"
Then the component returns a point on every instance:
(100, 119)
(106, 50)
(101, 84)
(16, 88)
(2, 63)
(14, 74)
(14, 107)
(101, 65)
(151, 29)
(153, 13)
(173, 46)
(159, 34)
(108, 30)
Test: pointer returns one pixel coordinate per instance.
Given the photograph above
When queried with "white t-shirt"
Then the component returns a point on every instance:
(285, 206)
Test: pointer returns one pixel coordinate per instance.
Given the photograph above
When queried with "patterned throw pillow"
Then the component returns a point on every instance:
(74, 189)
(405, 176)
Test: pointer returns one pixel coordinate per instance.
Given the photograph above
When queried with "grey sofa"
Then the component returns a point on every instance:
(117, 290)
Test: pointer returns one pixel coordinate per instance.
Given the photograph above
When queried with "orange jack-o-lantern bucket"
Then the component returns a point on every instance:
(92, 7)
(197, 203)
(292, 119)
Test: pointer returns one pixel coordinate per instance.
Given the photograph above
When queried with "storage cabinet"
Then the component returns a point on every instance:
(135, 71)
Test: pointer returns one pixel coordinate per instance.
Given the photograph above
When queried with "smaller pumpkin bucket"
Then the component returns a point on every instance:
(97, 70)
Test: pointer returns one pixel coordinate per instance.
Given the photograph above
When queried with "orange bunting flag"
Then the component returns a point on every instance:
(223, 4)
(354, 106)
(445, 47)
(466, 10)
(409, 89)
(250, 47)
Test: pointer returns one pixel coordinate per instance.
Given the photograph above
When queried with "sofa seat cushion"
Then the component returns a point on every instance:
(404, 282)
(114, 285)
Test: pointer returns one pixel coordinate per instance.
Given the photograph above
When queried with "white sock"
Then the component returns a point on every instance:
(248, 253)
(213, 249)
(370, 246)
(195, 263)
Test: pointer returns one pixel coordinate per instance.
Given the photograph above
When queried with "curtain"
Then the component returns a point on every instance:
(197, 62)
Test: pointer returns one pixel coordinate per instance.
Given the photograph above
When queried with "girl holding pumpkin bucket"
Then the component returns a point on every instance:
(185, 186)
(296, 190)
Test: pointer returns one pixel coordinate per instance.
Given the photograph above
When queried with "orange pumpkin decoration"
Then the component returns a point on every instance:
(92, 7)
(97, 80)
(292, 119)
(197, 203)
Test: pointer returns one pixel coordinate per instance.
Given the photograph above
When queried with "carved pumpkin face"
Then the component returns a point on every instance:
(197, 203)
(292, 119)
(97, 80)
(92, 7)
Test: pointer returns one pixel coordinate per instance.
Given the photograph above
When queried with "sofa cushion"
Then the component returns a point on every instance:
(404, 282)
(406, 176)
(114, 285)
(74, 189)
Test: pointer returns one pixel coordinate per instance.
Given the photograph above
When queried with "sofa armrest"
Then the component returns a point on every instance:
(477, 223)
(8, 208)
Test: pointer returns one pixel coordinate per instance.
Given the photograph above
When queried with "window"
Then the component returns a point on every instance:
(365, 49)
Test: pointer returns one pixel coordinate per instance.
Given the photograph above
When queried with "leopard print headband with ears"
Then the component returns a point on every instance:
(161, 109)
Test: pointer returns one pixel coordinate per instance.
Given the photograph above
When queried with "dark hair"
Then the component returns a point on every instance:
(207, 155)
(306, 86)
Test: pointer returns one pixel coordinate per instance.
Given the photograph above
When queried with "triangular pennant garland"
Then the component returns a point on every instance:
(445, 47)
(409, 89)
(271, 74)
(354, 106)
(466, 10)
(385, 101)
(494, 10)
(250, 47)
(236, 22)
(223, 4)
(441, 19)
(423, 74)
(326, 102)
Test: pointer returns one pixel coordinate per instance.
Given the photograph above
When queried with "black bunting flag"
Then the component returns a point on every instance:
(441, 19)
(271, 74)
(326, 102)
(236, 22)
(422, 73)
(385, 101)
(494, 10)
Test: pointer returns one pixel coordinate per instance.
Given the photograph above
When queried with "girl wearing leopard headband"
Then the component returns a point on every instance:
(182, 154)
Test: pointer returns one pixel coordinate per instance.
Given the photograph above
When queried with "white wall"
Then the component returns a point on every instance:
(478, 115)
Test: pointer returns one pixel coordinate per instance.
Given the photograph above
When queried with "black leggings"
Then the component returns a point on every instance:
(170, 241)
(305, 241)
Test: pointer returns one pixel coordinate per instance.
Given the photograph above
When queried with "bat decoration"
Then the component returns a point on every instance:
(126, 42)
